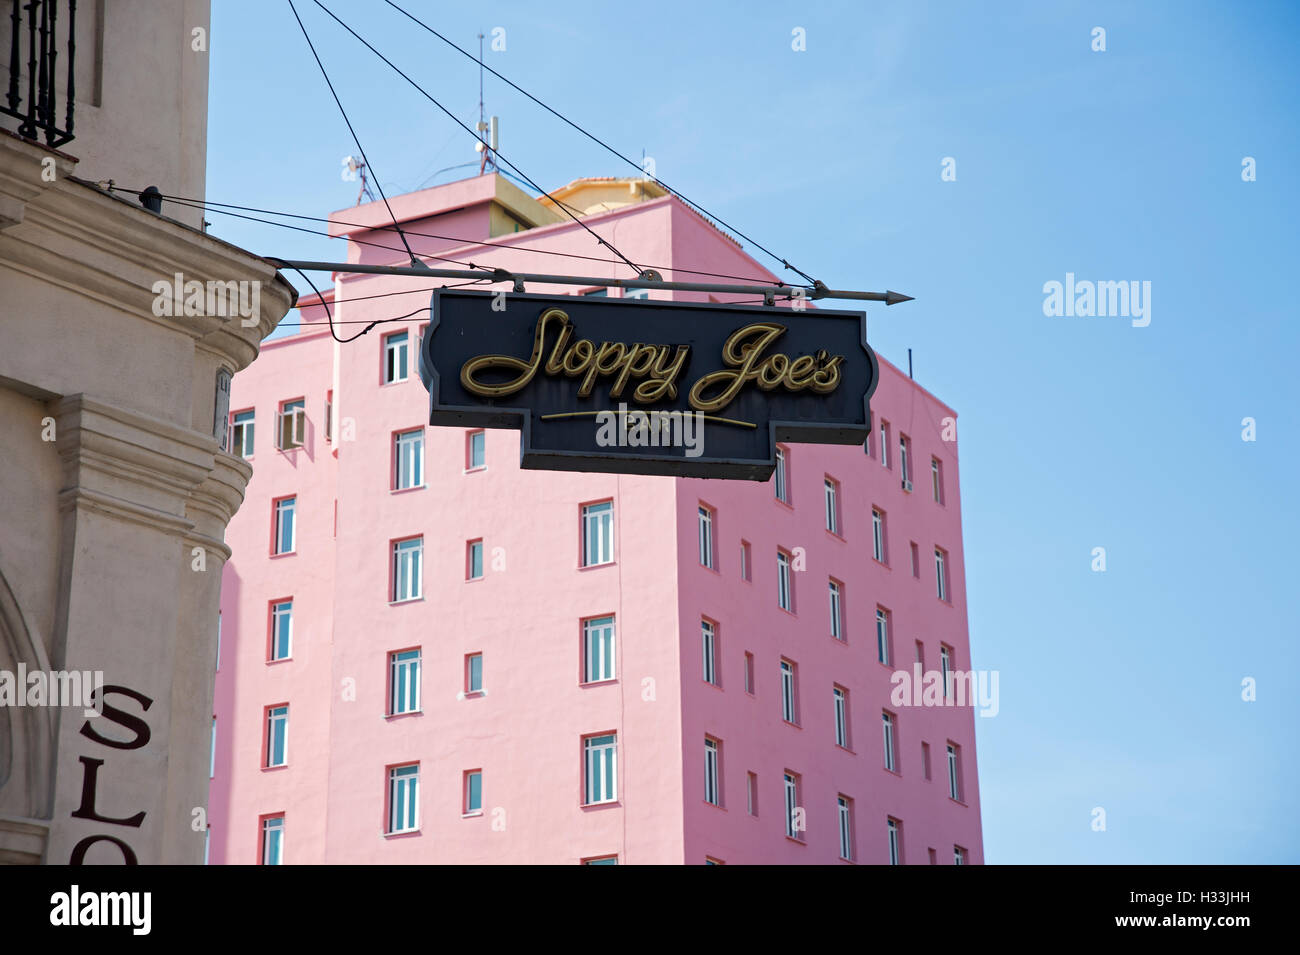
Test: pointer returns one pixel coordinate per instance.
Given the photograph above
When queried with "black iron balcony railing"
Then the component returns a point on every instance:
(31, 97)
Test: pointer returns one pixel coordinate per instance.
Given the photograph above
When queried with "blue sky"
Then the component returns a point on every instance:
(1121, 689)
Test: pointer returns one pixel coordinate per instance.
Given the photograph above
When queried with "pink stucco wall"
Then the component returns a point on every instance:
(524, 733)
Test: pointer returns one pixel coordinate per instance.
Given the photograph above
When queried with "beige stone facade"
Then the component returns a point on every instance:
(114, 490)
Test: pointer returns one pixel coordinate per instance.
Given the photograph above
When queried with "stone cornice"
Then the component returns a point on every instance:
(116, 458)
(72, 234)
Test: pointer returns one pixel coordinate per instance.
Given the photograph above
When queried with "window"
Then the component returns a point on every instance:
(241, 433)
(709, 644)
(784, 598)
(474, 673)
(788, 711)
(218, 665)
(751, 793)
(749, 673)
(882, 635)
(475, 450)
(878, 534)
(598, 650)
(832, 506)
(888, 726)
(884, 443)
(841, 697)
(403, 682)
(782, 490)
(636, 293)
(277, 735)
(408, 462)
(273, 840)
(706, 537)
(291, 425)
(408, 569)
(745, 573)
(925, 760)
(598, 292)
(941, 572)
(473, 791)
(904, 459)
(395, 354)
(954, 772)
(895, 842)
(285, 539)
(936, 479)
(934, 859)
(404, 798)
(329, 416)
(958, 855)
(792, 821)
(597, 533)
(207, 843)
(916, 561)
(600, 770)
(281, 630)
(845, 808)
(712, 792)
(212, 751)
(601, 860)
(945, 664)
(837, 610)
(474, 560)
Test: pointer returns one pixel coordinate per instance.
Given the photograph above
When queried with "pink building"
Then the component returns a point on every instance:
(430, 655)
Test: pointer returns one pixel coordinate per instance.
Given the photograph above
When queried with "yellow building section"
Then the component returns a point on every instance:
(592, 195)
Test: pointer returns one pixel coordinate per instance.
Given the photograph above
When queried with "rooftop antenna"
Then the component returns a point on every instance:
(487, 144)
(357, 170)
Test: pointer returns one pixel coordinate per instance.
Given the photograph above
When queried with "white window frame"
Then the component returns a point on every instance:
(945, 665)
(882, 636)
(474, 553)
(404, 798)
(781, 477)
(600, 769)
(837, 609)
(397, 357)
(709, 650)
(845, 810)
(890, 742)
(404, 677)
(408, 462)
(936, 480)
(791, 803)
(895, 846)
(958, 855)
(783, 589)
(599, 650)
(789, 711)
(841, 700)
(878, 534)
(941, 573)
(705, 520)
(712, 790)
(884, 443)
(281, 610)
(473, 682)
(286, 513)
(466, 796)
(242, 423)
(477, 456)
(408, 565)
(212, 751)
(751, 801)
(277, 721)
(904, 463)
(832, 506)
(597, 534)
(273, 825)
(954, 789)
(291, 424)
